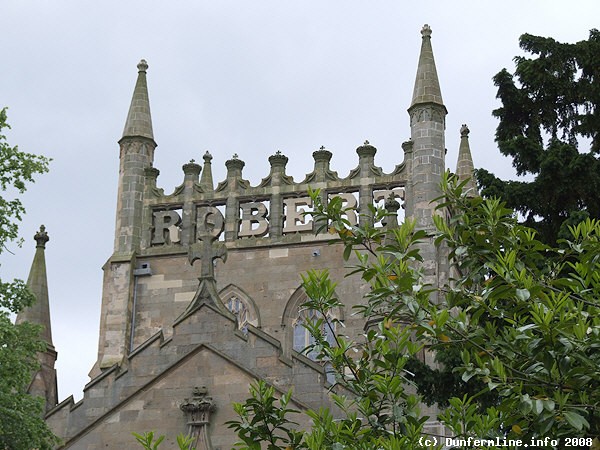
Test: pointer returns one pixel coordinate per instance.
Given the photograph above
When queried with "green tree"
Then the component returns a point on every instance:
(522, 315)
(21, 424)
(550, 127)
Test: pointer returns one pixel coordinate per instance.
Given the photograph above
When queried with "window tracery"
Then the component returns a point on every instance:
(238, 308)
(241, 305)
(302, 338)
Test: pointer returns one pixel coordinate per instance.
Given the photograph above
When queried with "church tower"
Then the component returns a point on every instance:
(179, 342)
(43, 383)
(135, 158)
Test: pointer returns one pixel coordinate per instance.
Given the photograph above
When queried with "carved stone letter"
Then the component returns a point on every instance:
(254, 213)
(385, 194)
(295, 220)
(209, 220)
(166, 225)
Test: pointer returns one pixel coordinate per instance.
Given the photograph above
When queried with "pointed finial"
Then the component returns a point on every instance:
(139, 119)
(43, 381)
(207, 181)
(427, 86)
(464, 166)
(142, 66)
(41, 237)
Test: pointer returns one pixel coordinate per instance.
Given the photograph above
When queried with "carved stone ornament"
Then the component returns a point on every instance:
(207, 248)
(41, 237)
(431, 112)
(197, 410)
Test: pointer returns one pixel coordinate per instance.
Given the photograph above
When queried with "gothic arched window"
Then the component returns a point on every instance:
(241, 305)
(303, 338)
(297, 336)
(238, 308)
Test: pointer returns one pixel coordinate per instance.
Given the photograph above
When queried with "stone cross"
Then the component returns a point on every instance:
(209, 226)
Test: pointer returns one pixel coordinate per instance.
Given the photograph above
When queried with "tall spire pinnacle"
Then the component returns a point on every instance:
(39, 312)
(43, 382)
(464, 166)
(139, 120)
(427, 87)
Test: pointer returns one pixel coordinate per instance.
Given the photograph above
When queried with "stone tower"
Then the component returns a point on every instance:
(202, 293)
(43, 382)
(135, 158)
(427, 129)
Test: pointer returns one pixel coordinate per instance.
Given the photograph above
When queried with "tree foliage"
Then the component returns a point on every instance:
(21, 423)
(148, 442)
(521, 315)
(550, 112)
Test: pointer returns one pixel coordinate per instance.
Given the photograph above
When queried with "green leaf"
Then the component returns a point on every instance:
(347, 252)
(523, 294)
(576, 420)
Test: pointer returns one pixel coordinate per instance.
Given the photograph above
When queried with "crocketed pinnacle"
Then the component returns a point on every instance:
(39, 312)
(139, 120)
(427, 87)
(207, 180)
(464, 166)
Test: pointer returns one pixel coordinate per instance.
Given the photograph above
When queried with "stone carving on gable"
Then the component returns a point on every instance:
(207, 249)
(198, 409)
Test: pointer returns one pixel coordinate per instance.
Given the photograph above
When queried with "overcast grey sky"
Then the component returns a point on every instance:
(245, 77)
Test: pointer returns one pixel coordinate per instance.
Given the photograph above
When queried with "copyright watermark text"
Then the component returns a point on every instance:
(427, 441)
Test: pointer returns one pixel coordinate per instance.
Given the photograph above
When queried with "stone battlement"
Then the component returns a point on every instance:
(276, 209)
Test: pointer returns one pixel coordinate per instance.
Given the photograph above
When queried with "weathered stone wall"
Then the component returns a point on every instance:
(146, 392)
(268, 276)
